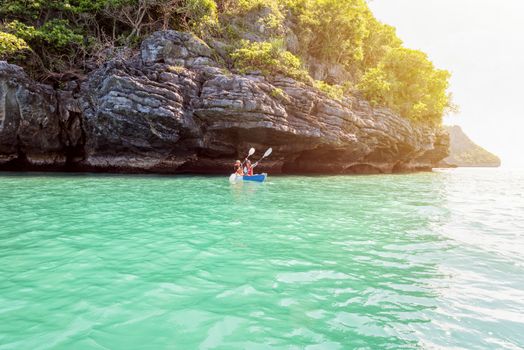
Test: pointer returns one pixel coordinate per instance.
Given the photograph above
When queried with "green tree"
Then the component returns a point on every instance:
(12, 47)
(332, 30)
(380, 39)
(407, 81)
(269, 58)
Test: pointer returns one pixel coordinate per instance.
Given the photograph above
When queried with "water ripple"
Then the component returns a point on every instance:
(422, 261)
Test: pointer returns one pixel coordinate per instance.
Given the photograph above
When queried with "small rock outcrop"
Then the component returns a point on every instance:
(174, 108)
(465, 153)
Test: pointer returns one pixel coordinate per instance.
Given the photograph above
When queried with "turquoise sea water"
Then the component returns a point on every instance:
(422, 261)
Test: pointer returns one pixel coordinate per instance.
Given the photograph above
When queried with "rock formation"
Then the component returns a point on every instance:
(174, 108)
(465, 153)
(30, 130)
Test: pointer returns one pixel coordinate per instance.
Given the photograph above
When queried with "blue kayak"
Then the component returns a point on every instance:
(254, 178)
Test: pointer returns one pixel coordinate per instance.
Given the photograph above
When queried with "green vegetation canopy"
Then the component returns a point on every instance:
(69, 35)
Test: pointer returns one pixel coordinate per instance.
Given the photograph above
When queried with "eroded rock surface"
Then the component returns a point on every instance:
(30, 129)
(174, 108)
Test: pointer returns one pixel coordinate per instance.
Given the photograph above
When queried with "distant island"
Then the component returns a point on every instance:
(466, 153)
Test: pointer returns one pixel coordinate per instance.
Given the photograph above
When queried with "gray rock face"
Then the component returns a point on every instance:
(29, 123)
(175, 48)
(331, 73)
(139, 118)
(173, 109)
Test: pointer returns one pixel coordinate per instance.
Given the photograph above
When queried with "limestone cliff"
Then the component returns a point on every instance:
(174, 108)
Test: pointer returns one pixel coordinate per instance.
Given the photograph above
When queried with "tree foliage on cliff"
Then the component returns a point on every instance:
(12, 46)
(76, 35)
(72, 34)
(269, 58)
(406, 81)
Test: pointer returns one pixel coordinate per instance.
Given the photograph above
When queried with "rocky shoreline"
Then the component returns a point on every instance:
(174, 108)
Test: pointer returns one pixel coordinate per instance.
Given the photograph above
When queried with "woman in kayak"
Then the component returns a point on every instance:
(238, 168)
(249, 168)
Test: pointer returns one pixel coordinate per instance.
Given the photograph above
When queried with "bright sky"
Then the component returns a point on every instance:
(482, 43)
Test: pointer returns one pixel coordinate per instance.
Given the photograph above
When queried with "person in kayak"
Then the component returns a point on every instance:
(238, 168)
(249, 168)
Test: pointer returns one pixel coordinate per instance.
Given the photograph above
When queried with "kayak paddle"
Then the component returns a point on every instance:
(250, 153)
(268, 152)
